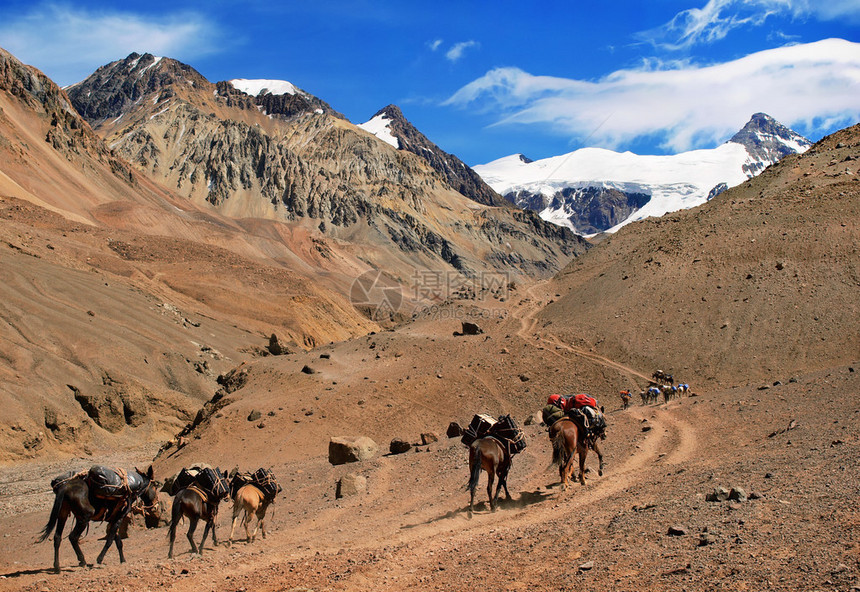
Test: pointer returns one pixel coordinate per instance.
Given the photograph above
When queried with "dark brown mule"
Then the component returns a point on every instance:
(488, 454)
(74, 497)
(196, 505)
(567, 439)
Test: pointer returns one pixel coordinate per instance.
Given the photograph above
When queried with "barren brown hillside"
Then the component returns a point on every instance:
(763, 280)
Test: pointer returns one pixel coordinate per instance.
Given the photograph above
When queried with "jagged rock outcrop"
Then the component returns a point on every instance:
(590, 209)
(455, 172)
(67, 133)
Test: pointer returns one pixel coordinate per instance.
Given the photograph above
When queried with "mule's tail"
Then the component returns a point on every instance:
(560, 455)
(476, 471)
(55, 513)
(175, 518)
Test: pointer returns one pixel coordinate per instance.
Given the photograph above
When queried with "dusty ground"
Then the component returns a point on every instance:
(410, 530)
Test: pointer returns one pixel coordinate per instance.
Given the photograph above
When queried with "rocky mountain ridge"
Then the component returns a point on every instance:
(206, 142)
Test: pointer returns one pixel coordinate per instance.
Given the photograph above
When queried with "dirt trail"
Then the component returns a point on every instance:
(528, 321)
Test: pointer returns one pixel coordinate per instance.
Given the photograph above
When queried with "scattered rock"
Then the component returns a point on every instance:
(325, 356)
(308, 370)
(471, 329)
(399, 446)
(524, 377)
(588, 565)
(705, 539)
(342, 450)
(429, 438)
(764, 387)
(454, 430)
(738, 495)
(646, 428)
(677, 531)
(254, 415)
(351, 484)
(720, 494)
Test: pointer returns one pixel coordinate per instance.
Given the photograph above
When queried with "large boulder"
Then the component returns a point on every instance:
(342, 450)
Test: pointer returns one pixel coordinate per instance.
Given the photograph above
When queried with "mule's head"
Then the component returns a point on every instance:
(149, 475)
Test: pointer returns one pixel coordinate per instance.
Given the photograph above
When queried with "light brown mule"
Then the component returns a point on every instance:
(567, 439)
(250, 500)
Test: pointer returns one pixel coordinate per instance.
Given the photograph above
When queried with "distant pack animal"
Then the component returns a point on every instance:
(199, 501)
(625, 398)
(488, 454)
(668, 393)
(252, 494)
(662, 377)
(101, 494)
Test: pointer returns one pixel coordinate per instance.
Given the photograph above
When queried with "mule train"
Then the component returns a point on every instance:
(106, 494)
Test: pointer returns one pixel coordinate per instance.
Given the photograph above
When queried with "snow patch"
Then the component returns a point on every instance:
(379, 127)
(257, 87)
(154, 62)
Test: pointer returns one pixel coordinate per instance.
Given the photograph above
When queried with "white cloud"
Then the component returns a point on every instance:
(69, 43)
(434, 45)
(717, 18)
(456, 52)
(684, 106)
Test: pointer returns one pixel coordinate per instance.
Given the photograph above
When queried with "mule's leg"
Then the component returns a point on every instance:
(212, 525)
(58, 538)
(491, 477)
(118, 542)
(81, 524)
(583, 453)
(599, 458)
(566, 470)
(503, 480)
(113, 528)
(192, 526)
(236, 511)
(249, 532)
(206, 530)
(261, 519)
(498, 489)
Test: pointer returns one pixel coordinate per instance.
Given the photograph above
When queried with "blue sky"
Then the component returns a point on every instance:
(488, 79)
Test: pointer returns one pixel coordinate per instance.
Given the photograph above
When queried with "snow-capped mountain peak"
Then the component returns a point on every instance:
(767, 141)
(595, 190)
(255, 87)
